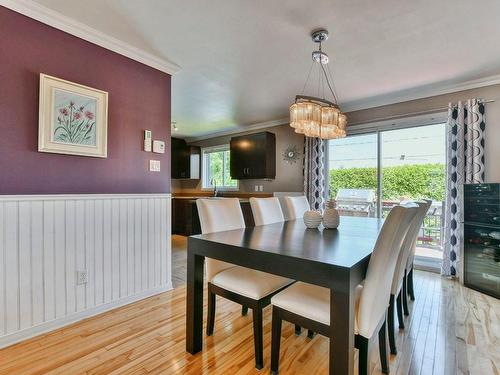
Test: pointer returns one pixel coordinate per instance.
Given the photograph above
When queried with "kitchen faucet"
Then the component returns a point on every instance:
(213, 182)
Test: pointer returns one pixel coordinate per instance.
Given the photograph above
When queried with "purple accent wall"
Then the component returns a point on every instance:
(139, 98)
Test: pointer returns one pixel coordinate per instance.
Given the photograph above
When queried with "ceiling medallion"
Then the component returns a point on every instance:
(315, 116)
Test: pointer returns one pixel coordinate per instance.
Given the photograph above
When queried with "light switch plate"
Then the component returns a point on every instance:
(147, 145)
(159, 147)
(154, 165)
(147, 134)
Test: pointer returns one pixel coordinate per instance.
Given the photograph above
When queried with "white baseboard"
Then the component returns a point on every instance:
(58, 323)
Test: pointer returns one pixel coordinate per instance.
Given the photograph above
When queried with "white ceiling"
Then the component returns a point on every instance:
(242, 62)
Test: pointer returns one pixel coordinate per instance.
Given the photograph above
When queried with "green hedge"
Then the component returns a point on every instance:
(407, 181)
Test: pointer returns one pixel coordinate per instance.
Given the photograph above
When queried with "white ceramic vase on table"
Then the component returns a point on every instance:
(312, 219)
(331, 217)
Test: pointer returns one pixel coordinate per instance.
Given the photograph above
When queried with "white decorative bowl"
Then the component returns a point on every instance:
(312, 219)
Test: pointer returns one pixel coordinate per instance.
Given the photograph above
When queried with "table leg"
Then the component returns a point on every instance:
(342, 333)
(194, 303)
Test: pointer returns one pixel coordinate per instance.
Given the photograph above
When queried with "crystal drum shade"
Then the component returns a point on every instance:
(315, 120)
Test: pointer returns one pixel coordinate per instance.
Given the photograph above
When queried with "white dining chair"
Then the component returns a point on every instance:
(309, 305)
(297, 206)
(266, 210)
(250, 288)
(411, 258)
(398, 287)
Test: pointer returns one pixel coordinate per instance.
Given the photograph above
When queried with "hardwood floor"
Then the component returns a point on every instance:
(444, 335)
(179, 258)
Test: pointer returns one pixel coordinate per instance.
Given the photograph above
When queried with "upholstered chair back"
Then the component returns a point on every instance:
(409, 244)
(411, 256)
(266, 210)
(376, 291)
(217, 215)
(297, 206)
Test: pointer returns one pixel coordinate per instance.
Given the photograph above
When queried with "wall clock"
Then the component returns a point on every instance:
(291, 154)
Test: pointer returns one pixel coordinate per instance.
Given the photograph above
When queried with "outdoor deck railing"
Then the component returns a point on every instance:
(431, 233)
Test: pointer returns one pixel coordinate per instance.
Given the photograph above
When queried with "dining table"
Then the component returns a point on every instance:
(336, 259)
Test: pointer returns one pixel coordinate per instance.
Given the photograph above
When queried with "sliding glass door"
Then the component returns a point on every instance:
(370, 173)
(413, 167)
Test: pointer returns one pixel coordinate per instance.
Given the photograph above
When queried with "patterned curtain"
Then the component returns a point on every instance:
(315, 172)
(465, 164)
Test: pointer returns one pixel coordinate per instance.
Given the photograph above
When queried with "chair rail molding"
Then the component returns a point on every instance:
(122, 241)
(71, 26)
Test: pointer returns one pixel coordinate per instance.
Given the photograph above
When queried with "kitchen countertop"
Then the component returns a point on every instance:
(193, 198)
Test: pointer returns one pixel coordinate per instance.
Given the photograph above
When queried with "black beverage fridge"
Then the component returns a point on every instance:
(482, 238)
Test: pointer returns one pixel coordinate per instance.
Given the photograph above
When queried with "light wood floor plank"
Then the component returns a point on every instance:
(450, 330)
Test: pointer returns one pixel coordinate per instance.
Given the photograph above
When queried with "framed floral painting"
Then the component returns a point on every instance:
(73, 119)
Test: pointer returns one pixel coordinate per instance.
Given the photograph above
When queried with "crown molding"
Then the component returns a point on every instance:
(240, 129)
(59, 21)
(419, 93)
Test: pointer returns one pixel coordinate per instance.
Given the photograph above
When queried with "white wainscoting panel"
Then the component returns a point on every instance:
(122, 241)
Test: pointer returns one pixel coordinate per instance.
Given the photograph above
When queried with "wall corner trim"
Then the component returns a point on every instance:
(55, 19)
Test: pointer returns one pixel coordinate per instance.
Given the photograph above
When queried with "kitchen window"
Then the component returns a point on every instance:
(215, 168)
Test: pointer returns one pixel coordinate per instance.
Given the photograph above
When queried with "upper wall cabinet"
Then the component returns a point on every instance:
(185, 160)
(253, 156)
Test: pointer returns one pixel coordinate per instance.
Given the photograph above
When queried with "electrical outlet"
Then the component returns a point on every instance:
(256, 187)
(261, 188)
(82, 277)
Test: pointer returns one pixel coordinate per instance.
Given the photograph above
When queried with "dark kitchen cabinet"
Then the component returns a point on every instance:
(185, 219)
(185, 160)
(253, 156)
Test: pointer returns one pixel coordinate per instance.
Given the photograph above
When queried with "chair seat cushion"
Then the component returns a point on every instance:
(249, 283)
(309, 301)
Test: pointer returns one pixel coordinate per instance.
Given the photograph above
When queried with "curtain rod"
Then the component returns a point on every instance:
(410, 114)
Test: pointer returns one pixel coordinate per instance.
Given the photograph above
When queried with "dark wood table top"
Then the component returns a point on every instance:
(332, 258)
(344, 247)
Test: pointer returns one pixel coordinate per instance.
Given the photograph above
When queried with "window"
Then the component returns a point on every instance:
(215, 169)
(372, 172)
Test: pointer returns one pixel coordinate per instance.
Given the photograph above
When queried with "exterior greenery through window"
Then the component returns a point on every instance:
(412, 166)
(412, 163)
(406, 181)
(215, 167)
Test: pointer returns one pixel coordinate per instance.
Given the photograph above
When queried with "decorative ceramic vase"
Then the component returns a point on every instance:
(331, 218)
(312, 219)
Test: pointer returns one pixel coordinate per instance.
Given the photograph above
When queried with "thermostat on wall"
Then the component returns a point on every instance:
(159, 147)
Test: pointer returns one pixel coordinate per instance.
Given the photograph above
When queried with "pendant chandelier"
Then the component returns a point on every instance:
(315, 116)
